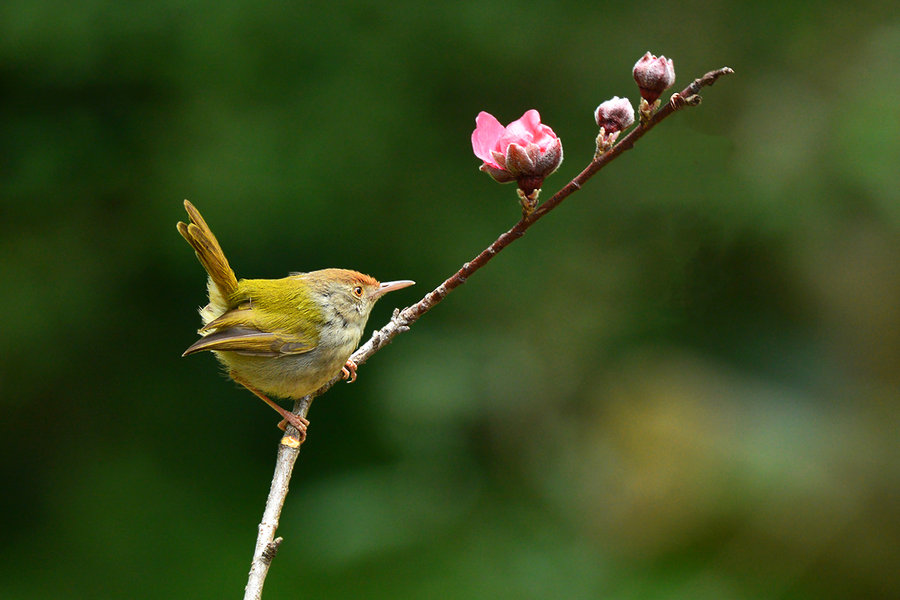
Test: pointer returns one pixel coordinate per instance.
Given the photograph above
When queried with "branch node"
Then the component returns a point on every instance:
(400, 322)
(271, 550)
(291, 441)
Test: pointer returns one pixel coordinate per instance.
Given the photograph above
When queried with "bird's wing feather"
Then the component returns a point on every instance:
(238, 330)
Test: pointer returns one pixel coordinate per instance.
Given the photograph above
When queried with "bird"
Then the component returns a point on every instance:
(281, 337)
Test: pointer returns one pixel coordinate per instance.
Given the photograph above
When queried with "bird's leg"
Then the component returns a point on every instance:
(348, 371)
(287, 417)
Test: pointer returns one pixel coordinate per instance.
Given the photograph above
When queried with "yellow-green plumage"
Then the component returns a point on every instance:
(285, 337)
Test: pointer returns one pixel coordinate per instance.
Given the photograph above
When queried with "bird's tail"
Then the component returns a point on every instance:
(222, 282)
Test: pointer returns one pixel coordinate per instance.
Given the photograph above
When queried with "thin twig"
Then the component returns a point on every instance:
(266, 543)
(289, 449)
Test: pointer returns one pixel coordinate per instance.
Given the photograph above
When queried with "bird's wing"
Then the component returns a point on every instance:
(238, 331)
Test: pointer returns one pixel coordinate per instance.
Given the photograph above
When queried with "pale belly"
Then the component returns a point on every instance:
(290, 376)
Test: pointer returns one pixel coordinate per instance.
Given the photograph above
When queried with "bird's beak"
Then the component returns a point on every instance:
(390, 286)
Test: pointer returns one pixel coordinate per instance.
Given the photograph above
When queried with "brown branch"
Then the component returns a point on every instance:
(289, 449)
(401, 320)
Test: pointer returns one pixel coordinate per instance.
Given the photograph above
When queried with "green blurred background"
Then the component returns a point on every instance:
(684, 383)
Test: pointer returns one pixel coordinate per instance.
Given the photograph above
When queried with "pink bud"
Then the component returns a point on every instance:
(653, 76)
(525, 150)
(615, 114)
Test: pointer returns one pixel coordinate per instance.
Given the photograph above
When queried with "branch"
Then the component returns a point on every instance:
(289, 448)
(266, 543)
(401, 320)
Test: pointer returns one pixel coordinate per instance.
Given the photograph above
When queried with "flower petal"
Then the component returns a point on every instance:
(545, 137)
(524, 129)
(488, 132)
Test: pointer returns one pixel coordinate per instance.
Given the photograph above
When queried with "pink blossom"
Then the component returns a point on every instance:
(653, 75)
(525, 150)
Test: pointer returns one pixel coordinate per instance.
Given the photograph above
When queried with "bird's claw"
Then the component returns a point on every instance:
(348, 371)
(298, 422)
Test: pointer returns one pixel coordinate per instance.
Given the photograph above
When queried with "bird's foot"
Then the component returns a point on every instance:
(298, 422)
(348, 371)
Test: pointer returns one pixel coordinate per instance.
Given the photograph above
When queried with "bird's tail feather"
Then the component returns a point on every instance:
(222, 281)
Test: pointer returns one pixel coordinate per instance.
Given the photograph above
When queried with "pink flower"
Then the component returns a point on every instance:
(653, 76)
(524, 151)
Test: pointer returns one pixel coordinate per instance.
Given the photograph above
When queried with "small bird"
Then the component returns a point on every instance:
(283, 337)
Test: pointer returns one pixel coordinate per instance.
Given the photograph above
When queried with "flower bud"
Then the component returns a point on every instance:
(524, 151)
(615, 115)
(612, 116)
(653, 76)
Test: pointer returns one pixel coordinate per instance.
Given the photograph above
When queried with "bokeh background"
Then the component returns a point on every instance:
(684, 383)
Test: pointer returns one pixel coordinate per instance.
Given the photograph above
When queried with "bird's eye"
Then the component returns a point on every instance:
(358, 291)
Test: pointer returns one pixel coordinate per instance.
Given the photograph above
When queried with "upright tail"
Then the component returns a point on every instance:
(222, 282)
